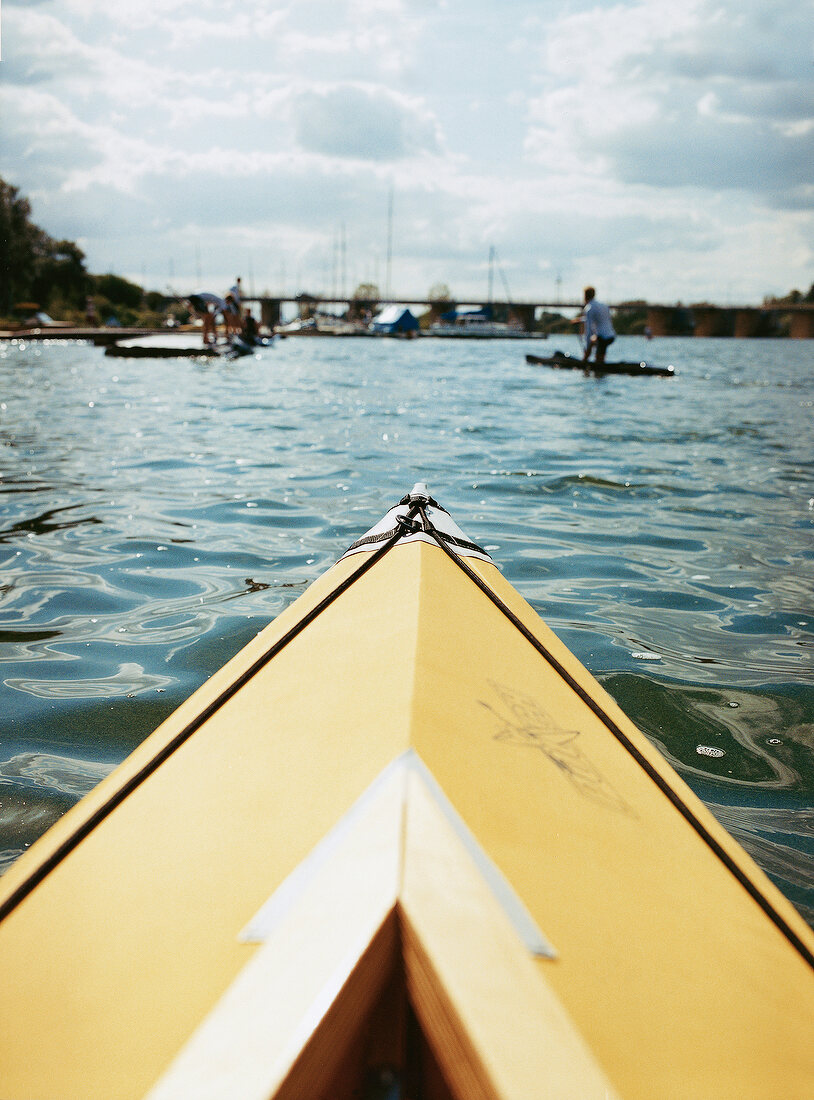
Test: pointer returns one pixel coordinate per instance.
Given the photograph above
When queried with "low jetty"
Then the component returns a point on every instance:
(102, 337)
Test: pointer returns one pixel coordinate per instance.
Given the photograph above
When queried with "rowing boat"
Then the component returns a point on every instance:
(403, 844)
(561, 360)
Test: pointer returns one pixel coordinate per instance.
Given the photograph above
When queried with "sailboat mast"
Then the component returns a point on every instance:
(343, 264)
(387, 287)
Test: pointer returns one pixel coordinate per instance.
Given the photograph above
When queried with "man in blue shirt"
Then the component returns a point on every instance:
(599, 331)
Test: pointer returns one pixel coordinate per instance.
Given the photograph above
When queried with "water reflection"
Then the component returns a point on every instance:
(755, 770)
(127, 681)
(35, 790)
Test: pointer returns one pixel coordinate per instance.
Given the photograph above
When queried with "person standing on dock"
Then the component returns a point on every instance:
(231, 315)
(210, 332)
(249, 330)
(599, 330)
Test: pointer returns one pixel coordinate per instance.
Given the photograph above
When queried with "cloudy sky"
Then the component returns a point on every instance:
(661, 150)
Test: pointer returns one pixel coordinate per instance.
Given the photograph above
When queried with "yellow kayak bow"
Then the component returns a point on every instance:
(402, 841)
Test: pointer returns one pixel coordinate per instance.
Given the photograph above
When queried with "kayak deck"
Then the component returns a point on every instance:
(561, 360)
(405, 791)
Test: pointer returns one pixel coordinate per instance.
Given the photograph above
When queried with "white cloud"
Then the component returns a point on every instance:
(700, 95)
(645, 145)
(364, 122)
(40, 47)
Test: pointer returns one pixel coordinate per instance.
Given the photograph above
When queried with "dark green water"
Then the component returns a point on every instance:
(154, 515)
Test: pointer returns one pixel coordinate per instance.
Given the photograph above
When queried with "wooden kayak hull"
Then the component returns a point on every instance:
(404, 827)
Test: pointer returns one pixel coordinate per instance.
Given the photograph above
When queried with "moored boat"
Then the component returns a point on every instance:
(483, 328)
(177, 346)
(403, 835)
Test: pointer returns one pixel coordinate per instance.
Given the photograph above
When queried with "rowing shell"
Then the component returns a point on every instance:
(561, 360)
(402, 840)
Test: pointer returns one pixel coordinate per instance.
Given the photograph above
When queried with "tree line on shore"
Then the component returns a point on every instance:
(41, 273)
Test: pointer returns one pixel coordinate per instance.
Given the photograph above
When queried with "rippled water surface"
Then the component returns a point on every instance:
(154, 515)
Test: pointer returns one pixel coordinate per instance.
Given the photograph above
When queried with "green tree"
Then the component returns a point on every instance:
(440, 292)
(34, 266)
(20, 241)
(60, 274)
(118, 291)
(155, 301)
(366, 292)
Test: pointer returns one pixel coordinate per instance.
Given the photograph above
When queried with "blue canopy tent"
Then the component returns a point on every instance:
(394, 319)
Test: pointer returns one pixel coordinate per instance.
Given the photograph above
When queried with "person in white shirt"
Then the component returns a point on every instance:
(599, 331)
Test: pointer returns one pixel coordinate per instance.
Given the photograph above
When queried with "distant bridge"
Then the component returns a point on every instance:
(701, 319)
